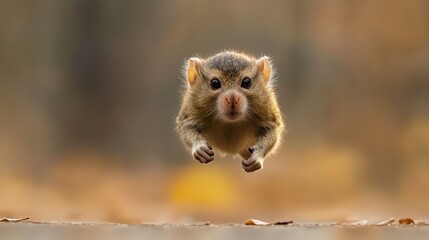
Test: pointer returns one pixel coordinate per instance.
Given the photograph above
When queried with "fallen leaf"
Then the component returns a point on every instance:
(421, 222)
(283, 223)
(256, 222)
(385, 222)
(13, 219)
(358, 223)
(406, 221)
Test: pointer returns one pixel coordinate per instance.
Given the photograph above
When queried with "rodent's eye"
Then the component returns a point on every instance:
(246, 83)
(215, 84)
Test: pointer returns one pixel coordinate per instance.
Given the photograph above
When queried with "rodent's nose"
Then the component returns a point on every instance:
(232, 100)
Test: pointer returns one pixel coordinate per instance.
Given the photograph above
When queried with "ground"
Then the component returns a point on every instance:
(207, 231)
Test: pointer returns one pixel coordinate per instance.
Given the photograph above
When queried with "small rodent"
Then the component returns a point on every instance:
(229, 104)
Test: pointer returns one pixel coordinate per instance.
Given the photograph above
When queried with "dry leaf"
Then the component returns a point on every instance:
(421, 222)
(406, 221)
(385, 222)
(358, 223)
(283, 223)
(13, 219)
(256, 222)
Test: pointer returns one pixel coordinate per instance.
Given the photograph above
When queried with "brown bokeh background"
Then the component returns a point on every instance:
(89, 91)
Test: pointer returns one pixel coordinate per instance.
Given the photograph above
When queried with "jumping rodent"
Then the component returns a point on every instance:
(229, 104)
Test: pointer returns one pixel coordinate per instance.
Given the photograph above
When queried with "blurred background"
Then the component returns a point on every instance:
(89, 91)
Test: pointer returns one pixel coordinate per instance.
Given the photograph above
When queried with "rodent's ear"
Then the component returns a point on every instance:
(194, 65)
(264, 67)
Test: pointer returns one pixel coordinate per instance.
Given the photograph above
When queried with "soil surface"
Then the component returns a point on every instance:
(207, 231)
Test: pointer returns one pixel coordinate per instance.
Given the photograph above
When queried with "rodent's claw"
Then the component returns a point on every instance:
(252, 164)
(254, 148)
(203, 154)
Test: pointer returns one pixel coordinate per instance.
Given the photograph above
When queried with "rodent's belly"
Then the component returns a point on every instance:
(231, 139)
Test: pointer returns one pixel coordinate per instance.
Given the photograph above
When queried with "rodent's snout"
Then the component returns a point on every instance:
(232, 104)
(232, 100)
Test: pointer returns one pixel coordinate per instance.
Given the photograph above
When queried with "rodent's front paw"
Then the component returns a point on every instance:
(255, 162)
(203, 153)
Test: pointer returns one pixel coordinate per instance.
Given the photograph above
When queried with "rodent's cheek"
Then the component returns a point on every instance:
(244, 103)
(222, 106)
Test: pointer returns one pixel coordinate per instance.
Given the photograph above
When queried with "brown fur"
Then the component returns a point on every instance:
(199, 125)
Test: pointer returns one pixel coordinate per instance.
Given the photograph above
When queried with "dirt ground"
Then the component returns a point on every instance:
(78, 230)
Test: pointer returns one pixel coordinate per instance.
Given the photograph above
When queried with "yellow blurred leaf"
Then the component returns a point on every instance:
(200, 186)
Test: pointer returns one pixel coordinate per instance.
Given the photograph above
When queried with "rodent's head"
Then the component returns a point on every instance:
(229, 86)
